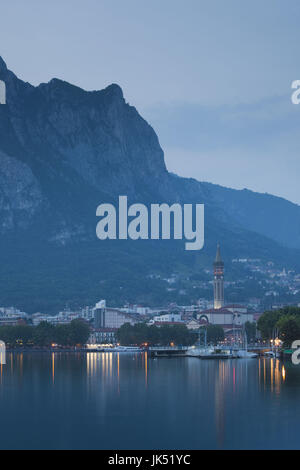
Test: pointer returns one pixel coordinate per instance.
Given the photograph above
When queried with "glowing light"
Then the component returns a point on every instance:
(146, 369)
(277, 342)
(53, 368)
(283, 373)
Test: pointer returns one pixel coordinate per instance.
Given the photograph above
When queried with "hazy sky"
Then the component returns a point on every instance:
(213, 77)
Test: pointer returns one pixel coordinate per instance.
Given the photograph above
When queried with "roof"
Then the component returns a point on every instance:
(235, 306)
(125, 314)
(256, 316)
(105, 330)
(231, 327)
(216, 311)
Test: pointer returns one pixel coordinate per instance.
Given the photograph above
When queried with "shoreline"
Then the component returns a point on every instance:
(44, 350)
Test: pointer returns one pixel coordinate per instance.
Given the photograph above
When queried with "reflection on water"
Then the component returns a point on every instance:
(53, 366)
(133, 401)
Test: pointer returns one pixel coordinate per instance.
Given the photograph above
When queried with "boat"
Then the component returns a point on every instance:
(209, 353)
(127, 349)
(197, 351)
(269, 354)
(215, 353)
(95, 348)
(244, 353)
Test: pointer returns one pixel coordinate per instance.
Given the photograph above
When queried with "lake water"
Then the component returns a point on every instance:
(129, 401)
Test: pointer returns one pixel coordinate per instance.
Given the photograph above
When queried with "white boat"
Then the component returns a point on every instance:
(269, 354)
(208, 353)
(244, 354)
(127, 349)
(197, 351)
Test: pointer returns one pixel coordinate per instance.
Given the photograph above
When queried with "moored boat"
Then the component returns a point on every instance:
(209, 353)
(127, 349)
(244, 354)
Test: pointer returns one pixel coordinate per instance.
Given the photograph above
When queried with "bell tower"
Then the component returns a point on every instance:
(218, 280)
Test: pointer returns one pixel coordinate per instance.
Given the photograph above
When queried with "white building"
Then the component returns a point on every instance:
(193, 324)
(106, 317)
(103, 336)
(168, 318)
(226, 317)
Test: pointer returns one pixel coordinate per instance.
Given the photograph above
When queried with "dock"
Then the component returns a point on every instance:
(167, 351)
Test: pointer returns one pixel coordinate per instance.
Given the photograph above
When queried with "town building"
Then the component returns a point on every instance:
(193, 324)
(168, 318)
(228, 318)
(106, 317)
(103, 336)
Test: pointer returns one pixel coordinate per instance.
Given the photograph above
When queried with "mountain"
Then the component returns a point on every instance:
(63, 151)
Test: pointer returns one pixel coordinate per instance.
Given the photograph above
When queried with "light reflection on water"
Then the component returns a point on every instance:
(121, 400)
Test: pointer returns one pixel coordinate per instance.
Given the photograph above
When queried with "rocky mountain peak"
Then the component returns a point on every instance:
(2, 65)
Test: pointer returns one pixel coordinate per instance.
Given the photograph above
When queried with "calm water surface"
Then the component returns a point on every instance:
(129, 401)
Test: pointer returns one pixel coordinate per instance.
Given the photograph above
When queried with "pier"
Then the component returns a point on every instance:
(167, 351)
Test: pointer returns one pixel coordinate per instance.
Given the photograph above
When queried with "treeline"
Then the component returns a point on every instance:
(154, 335)
(45, 334)
(164, 335)
(285, 321)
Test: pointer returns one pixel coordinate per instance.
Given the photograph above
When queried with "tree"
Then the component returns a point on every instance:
(272, 319)
(140, 332)
(215, 334)
(163, 335)
(125, 334)
(79, 332)
(250, 329)
(289, 329)
(267, 323)
(44, 334)
(153, 334)
(62, 335)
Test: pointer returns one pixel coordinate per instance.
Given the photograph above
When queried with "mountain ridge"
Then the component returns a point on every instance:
(64, 150)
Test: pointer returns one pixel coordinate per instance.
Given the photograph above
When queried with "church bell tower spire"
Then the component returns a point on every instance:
(218, 280)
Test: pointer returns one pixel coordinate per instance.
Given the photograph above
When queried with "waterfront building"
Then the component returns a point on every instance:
(226, 317)
(193, 324)
(168, 318)
(164, 323)
(103, 336)
(12, 321)
(106, 317)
